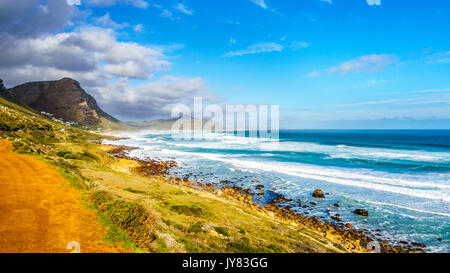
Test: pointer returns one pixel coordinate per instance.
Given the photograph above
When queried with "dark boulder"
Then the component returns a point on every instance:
(361, 212)
(318, 194)
(259, 187)
(419, 245)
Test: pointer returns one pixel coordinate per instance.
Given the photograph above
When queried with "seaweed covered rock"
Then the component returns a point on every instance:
(318, 194)
(361, 212)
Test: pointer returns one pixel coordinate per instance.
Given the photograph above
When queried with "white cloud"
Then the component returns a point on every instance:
(107, 3)
(183, 9)
(168, 89)
(232, 22)
(296, 45)
(369, 83)
(138, 28)
(106, 21)
(169, 14)
(447, 90)
(104, 66)
(442, 57)
(313, 74)
(169, 47)
(165, 13)
(328, 1)
(368, 63)
(31, 18)
(73, 2)
(400, 101)
(256, 49)
(263, 5)
(260, 3)
(154, 99)
(89, 50)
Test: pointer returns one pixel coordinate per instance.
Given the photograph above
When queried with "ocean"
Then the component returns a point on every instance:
(402, 177)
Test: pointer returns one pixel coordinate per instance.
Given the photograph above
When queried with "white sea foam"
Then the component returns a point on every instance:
(407, 208)
(379, 181)
(436, 187)
(224, 142)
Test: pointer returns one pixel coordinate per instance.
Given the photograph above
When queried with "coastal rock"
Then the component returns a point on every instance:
(361, 212)
(336, 205)
(318, 194)
(419, 245)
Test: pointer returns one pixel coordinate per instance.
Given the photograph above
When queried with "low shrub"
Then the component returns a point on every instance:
(99, 198)
(133, 190)
(66, 155)
(193, 210)
(243, 245)
(22, 147)
(222, 230)
(132, 217)
(89, 156)
(196, 228)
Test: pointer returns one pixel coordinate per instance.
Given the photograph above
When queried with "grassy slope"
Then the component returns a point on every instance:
(186, 220)
(110, 126)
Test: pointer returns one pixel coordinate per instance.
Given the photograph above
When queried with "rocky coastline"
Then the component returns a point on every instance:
(334, 229)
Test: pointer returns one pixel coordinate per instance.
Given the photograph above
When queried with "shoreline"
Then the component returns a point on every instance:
(344, 234)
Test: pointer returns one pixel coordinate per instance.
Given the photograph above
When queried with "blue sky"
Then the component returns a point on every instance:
(328, 64)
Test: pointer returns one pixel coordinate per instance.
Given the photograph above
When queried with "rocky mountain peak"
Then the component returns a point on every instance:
(64, 99)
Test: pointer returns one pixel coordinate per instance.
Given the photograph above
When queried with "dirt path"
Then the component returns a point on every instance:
(39, 212)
